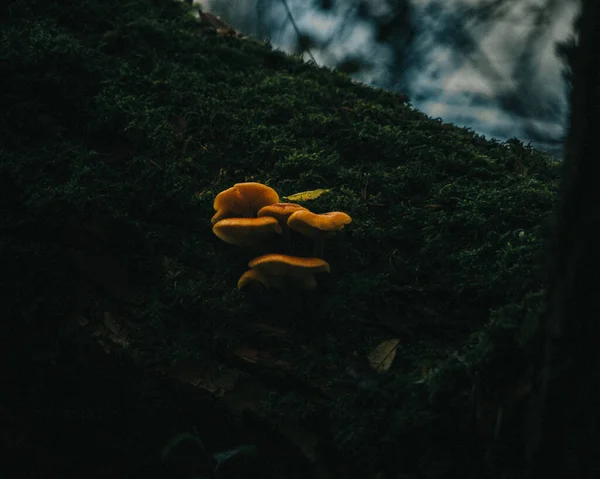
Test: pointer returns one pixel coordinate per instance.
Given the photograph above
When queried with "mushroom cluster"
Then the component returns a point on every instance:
(247, 213)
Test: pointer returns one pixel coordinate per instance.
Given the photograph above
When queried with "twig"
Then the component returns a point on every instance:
(289, 12)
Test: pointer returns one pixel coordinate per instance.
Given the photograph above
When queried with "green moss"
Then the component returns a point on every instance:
(124, 121)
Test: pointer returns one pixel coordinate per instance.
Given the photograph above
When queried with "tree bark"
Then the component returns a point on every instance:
(565, 440)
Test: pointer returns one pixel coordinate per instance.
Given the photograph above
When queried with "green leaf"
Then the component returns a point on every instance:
(233, 463)
(224, 456)
(178, 439)
(306, 195)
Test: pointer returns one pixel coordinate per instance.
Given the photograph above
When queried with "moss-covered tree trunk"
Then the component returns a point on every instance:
(566, 439)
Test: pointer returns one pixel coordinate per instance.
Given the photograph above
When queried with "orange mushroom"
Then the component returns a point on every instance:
(246, 231)
(272, 270)
(318, 226)
(252, 276)
(281, 211)
(243, 200)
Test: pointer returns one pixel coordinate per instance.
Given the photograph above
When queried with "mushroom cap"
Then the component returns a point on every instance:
(245, 231)
(252, 276)
(229, 202)
(280, 211)
(317, 225)
(278, 264)
(301, 270)
(243, 199)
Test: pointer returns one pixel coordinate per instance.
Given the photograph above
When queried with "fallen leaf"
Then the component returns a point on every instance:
(247, 354)
(215, 379)
(261, 358)
(306, 195)
(383, 355)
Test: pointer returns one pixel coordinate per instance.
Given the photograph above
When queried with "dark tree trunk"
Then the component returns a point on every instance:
(565, 440)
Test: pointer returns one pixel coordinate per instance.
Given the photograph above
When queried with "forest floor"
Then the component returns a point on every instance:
(128, 350)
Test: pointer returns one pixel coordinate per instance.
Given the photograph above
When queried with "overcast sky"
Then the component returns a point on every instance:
(444, 83)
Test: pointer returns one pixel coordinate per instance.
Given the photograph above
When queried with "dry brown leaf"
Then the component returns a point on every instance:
(383, 355)
(247, 354)
(261, 358)
(214, 379)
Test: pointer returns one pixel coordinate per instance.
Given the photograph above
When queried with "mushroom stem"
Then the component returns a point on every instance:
(318, 247)
(293, 271)
(287, 238)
